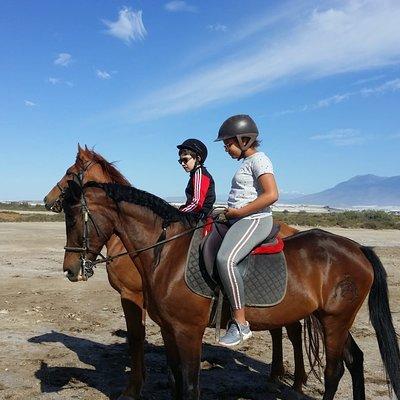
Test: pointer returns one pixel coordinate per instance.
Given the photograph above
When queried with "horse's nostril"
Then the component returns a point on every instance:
(68, 273)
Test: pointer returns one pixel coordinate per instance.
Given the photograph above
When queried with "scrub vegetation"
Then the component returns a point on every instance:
(21, 206)
(370, 219)
(12, 216)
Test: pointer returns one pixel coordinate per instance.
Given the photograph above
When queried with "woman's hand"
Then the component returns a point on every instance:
(232, 213)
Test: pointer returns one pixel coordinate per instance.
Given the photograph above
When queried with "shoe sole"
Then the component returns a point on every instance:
(242, 339)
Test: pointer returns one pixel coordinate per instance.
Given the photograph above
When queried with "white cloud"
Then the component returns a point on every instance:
(390, 86)
(29, 103)
(179, 5)
(370, 79)
(340, 137)
(323, 103)
(102, 74)
(57, 81)
(336, 99)
(54, 81)
(357, 35)
(63, 59)
(129, 26)
(217, 28)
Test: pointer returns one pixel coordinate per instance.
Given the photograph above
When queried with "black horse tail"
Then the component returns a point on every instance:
(381, 319)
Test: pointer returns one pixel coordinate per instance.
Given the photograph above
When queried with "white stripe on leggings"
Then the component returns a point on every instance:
(232, 256)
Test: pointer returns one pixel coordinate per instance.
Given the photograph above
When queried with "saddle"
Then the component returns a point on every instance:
(263, 269)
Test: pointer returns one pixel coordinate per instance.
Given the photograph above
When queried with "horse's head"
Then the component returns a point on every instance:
(88, 166)
(68, 194)
(88, 228)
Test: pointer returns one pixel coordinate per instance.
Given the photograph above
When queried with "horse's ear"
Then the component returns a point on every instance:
(86, 148)
(79, 148)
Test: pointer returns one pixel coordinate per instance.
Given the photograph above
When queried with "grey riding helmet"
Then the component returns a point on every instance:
(240, 127)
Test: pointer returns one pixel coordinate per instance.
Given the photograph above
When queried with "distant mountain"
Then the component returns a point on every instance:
(362, 190)
(286, 197)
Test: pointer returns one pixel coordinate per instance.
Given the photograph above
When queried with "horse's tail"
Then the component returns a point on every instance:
(381, 319)
(314, 331)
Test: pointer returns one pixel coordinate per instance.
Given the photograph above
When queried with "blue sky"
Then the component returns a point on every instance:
(135, 78)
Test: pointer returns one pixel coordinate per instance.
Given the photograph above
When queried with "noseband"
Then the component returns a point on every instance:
(86, 264)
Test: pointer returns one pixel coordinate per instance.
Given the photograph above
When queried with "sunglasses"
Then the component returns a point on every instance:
(184, 160)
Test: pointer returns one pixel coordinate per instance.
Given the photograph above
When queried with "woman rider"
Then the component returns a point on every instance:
(249, 215)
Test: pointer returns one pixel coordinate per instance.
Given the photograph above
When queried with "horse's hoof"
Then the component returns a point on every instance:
(275, 378)
(277, 374)
(299, 390)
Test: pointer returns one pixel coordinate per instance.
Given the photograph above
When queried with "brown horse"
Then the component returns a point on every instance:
(329, 277)
(125, 278)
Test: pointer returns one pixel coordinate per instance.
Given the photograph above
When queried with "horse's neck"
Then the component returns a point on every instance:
(138, 227)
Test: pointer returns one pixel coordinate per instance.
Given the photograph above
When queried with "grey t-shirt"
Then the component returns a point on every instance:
(245, 187)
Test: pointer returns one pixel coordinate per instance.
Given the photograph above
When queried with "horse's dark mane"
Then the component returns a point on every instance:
(139, 197)
(108, 167)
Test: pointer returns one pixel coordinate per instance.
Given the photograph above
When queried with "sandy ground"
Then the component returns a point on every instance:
(62, 340)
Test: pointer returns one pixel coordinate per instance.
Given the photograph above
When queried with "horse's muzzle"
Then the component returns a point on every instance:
(55, 206)
(74, 276)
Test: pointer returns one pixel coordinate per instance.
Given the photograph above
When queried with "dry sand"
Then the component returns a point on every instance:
(62, 340)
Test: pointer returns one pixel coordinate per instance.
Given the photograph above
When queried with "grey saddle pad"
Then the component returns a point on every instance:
(264, 276)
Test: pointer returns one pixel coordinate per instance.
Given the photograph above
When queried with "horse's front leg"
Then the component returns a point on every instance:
(173, 360)
(189, 342)
(134, 317)
(183, 347)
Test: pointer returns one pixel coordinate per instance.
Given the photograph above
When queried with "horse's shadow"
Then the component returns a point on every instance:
(226, 374)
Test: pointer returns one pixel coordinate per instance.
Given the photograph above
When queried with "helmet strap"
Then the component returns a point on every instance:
(251, 139)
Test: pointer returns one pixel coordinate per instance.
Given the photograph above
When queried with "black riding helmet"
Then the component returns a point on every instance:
(240, 127)
(197, 146)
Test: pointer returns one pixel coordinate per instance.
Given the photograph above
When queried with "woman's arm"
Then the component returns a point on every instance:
(265, 199)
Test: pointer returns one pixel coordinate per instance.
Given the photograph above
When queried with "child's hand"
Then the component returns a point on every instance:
(232, 213)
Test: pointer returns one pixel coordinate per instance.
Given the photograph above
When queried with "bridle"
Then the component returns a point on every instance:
(87, 265)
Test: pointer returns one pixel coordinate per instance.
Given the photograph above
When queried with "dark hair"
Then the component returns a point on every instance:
(187, 152)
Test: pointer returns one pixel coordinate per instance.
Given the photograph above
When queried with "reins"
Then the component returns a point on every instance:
(88, 265)
(161, 242)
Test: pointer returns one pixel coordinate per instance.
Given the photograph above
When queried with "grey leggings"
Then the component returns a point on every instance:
(240, 239)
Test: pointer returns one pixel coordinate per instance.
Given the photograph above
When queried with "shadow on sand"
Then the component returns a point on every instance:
(226, 374)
